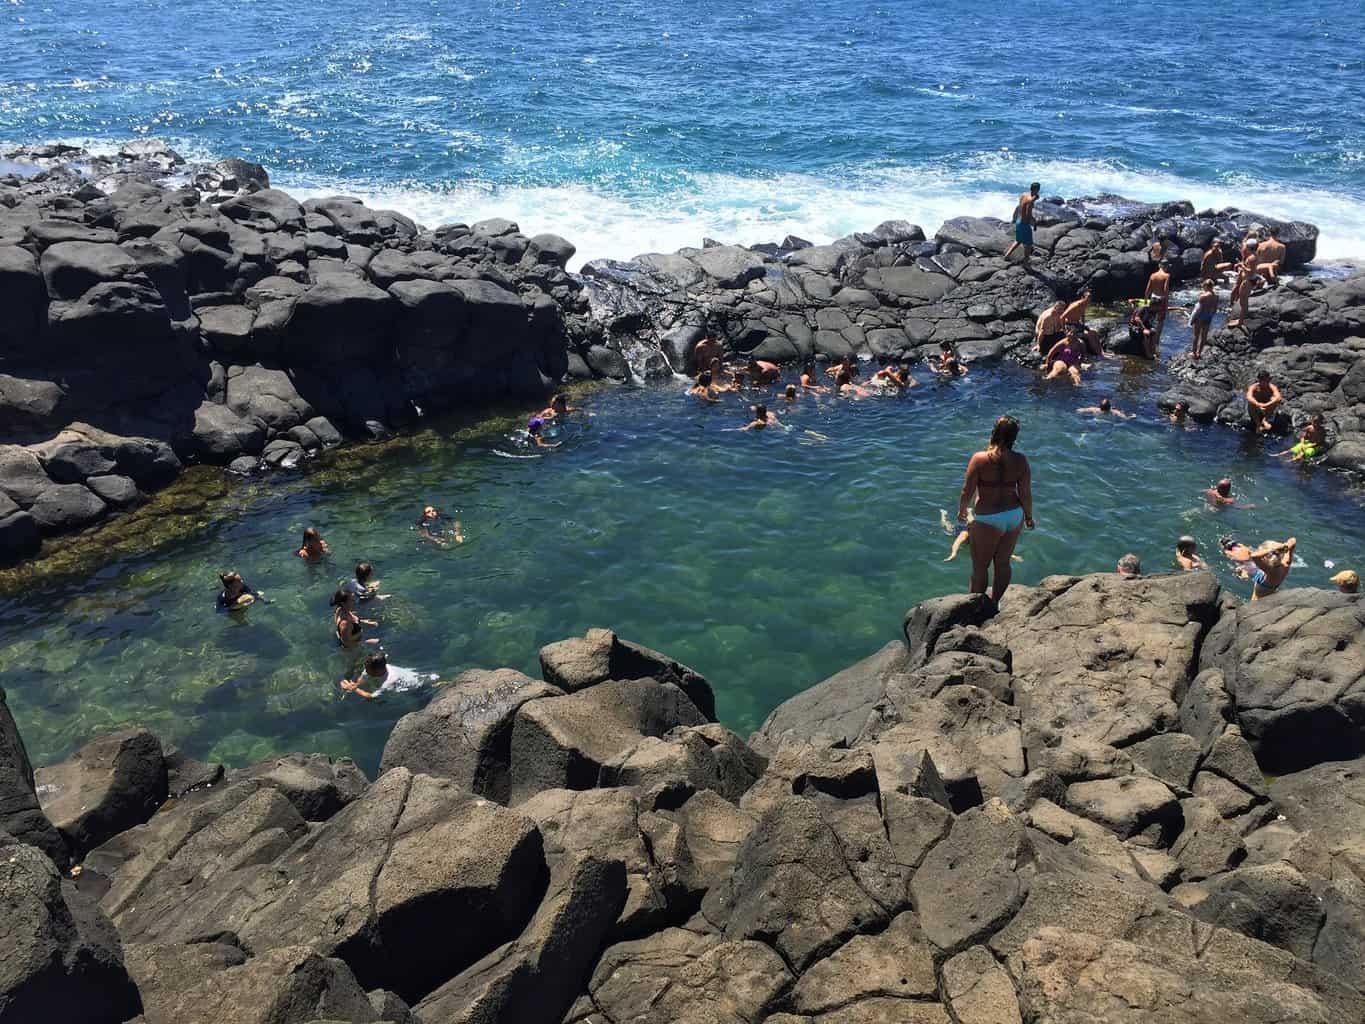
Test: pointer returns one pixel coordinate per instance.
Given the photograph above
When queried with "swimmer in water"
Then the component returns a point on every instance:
(314, 547)
(704, 388)
(763, 372)
(1239, 555)
(1220, 496)
(809, 381)
(761, 420)
(380, 675)
(362, 586)
(893, 375)
(1105, 409)
(534, 432)
(346, 624)
(1179, 413)
(721, 379)
(847, 365)
(431, 527)
(1187, 555)
(558, 409)
(949, 365)
(790, 394)
(235, 593)
(843, 384)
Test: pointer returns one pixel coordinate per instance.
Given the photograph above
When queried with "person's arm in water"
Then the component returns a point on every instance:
(1123, 415)
(353, 686)
(1090, 409)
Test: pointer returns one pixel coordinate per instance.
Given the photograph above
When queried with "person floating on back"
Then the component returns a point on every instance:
(314, 547)
(999, 480)
(1022, 219)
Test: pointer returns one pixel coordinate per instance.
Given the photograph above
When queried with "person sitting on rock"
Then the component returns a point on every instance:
(362, 586)
(1106, 409)
(707, 349)
(1050, 326)
(1312, 442)
(346, 624)
(1075, 311)
(1158, 293)
(1263, 402)
(235, 593)
(1220, 496)
(314, 547)
(809, 380)
(1022, 219)
(1180, 413)
(1065, 356)
(1211, 265)
(1273, 561)
(763, 372)
(1129, 567)
(704, 388)
(1347, 581)
(1142, 329)
(1187, 555)
(1201, 318)
(1270, 255)
(431, 527)
(949, 365)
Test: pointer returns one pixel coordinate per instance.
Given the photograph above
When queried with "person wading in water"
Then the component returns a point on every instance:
(999, 479)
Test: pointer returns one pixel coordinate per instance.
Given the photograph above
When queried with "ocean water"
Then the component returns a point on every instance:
(643, 125)
(767, 561)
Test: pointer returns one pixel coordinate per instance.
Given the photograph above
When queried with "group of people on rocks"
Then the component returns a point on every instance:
(1063, 347)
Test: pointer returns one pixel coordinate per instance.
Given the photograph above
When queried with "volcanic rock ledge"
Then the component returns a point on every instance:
(159, 314)
(1055, 813)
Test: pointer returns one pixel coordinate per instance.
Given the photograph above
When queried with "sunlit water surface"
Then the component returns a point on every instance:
(767, 561)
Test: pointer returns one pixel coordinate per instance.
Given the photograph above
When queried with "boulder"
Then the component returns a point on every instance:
(61, 959)
(1128, 805)
(219, 435)
(21, 815)
(315, 784)
(896, 964)
(1295, 669)
(108, 786)
(65, 507)
(978, 990)
(465, 733)
(340, 318)
(70, 269)
(19, 536)
(22, 294)
(1270, 902)
(563, 742)
(266, 210)
(266, 396)
(729, 266)
(536, 976)
(599, 655)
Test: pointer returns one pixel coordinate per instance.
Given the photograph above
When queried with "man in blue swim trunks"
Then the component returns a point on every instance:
(1023, 223)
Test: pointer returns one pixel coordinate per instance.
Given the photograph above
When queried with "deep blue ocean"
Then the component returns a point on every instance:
(635, 126)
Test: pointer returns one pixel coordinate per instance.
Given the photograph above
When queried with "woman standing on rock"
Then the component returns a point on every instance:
(999, 478)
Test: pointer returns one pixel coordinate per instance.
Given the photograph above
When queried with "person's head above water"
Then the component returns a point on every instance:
(843, 376)
(311, 536)
(704, 379)
(429, 513)
(790, 391)
(341, 599)
(559, 403)
(1129, 565)
(363, 571)
(1104, 405)
(1223, 487)
(376, 664)
(1182, 407)
(1005, 433)
(1347, 581)
(1035, 188)
(760, 411)
(231, 579)
(1187, 545)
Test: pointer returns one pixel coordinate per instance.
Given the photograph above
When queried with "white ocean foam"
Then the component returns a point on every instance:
(747, 210)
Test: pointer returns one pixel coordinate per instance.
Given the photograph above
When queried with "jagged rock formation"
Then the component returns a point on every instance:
(159, 314)
(1054, 813)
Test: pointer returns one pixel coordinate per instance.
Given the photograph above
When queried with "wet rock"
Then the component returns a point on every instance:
(108, 786)
(21, 815)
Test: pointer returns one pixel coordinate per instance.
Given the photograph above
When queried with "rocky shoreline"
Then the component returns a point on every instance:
(161, 314)
(1054, 813)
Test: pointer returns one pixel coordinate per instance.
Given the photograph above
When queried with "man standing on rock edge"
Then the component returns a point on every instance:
(1022, 219)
